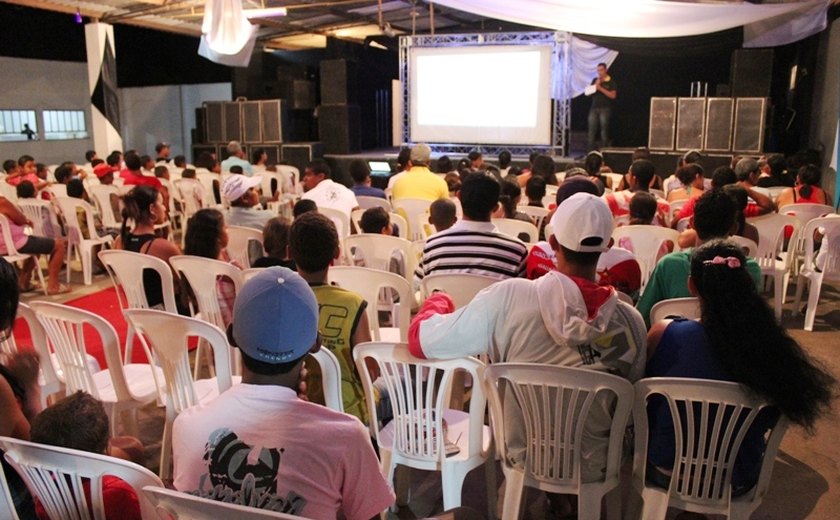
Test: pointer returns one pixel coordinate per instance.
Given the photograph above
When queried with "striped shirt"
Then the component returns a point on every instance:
(473, 247)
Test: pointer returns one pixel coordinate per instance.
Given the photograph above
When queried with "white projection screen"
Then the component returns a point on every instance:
(499, 94)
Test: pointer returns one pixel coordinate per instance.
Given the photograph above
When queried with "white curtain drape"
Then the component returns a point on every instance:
(227, 35)
(635, 18)
(787, 28)
(585, 57)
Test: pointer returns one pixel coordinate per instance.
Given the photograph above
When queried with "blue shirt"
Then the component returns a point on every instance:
(236, 161)
(367, 191)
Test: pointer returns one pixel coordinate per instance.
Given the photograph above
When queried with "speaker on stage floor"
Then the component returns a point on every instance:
(719, 112)
(338, 82)
(214, 120)
(663, 116)
(232, 121)
(339, 128)
(198, 149)
(750, 116)
(301, 154)
(750, 73)
(691, 123)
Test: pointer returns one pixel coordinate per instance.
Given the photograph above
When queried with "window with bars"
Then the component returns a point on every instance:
(18, 125)
(64, 124)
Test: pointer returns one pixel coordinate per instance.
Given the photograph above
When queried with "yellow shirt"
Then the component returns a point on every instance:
(420, 183)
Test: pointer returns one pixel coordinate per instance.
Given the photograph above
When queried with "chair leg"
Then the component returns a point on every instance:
(87, 265)
(165, 470)
(514, 488)
(654, 504)
(129, 344)
(612, 502)
(589, 506)
(778, 290)
(813, 301)
(800, 287)
(69, 259)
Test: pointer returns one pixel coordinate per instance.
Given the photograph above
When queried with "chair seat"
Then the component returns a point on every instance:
(390, 334)
(139, 378)
(458, 424)
(92, 363)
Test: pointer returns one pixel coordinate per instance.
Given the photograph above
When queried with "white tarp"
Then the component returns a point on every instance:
(227, 37)
(637, 18)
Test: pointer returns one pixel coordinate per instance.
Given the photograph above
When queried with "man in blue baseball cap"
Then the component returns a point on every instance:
(258, 443)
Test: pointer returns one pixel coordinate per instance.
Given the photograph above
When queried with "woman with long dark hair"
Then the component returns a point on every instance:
(807, 189)
(737, 339)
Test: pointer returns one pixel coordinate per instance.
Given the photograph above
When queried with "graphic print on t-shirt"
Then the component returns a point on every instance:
(245, 475)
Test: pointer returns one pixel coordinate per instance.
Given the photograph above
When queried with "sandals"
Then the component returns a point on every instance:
(62, 289)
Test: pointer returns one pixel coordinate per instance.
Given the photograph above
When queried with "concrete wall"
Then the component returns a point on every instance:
(38, 85)
(826, 107)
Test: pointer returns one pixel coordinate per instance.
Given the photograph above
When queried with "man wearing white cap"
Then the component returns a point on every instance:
(258, 444)
(241, 192)
(563, 318)
(419, 182)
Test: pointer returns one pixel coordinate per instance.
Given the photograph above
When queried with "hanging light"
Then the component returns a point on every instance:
(78, 17)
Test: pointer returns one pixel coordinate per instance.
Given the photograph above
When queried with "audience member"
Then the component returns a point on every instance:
(721, 176)
(641, 152)
(543, 166)
(807, 189)
(745, 229)
(240, 191)
(360, 173)
(23, 170)
(690, 157)
(276, 244)
(509, 198)
(444, 165)
(419, 182)
(476, 161)
(737, 339)
(377, 220)
(776, 173)
(443, 214)
(314, 245)
(403, 165)
(162, 150)
(473, 244)
(504, 163)
(313, 461)
(693, 183)
(236, 157)
(747, 173)
(453, 183)
(302, 206)
(642, 208)
(535, 191)
(133, 176)
(593, 163)
(319, 187)
(641, 172)
(714, 217)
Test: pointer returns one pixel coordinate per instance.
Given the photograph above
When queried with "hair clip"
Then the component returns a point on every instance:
(730, 261)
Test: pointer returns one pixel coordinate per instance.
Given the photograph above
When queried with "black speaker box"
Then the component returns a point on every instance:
(301, 154)
(198, 149)
(750, 72)
(339, 128)
(338, 82)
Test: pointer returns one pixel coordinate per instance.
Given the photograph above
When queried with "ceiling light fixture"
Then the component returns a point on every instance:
(78, 17)
(269, 12)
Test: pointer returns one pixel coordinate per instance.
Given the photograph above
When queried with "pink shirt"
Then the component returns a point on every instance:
(31, 177)
(262, 446)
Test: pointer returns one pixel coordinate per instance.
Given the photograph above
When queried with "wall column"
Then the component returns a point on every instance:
(102, 83)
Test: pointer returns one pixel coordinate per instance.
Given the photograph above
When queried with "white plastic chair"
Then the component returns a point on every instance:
(48, 368)
(12, 255)
(420, 391)
(552, 405)
(173, 505)
(688, 308)
(378, 250)
(75, 238)
(251, 272)
(101, 195)
(536, 213)
(771, 257)
(126, 270)
(462, 287)
(674, 208)
(240, 241)
(120, 387)
(711, 419)
(167, 336)
(43, 216)
(830, 269)
(8, 191)
(396, 219)
(59, 476)
(202, 273)
(330, 378)
(57, 190)
(340, 219)
(411, 210)
(373, 202)
(513, 228)
(7, 508)
(208, 180)
(805, 213)
(369, 284)
(749, 247)
(646, 241)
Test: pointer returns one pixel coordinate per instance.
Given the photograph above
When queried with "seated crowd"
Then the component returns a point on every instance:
(574, 298)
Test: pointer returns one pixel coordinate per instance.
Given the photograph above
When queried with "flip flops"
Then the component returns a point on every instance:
(62, 289)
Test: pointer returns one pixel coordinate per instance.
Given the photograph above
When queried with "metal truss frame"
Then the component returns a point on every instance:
(560, 81)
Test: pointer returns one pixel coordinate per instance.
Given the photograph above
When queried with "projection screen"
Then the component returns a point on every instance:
(496, 94)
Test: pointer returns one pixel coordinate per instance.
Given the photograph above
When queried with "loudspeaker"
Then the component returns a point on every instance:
(719, 112)
(338, 82)
(198, 149)
(663, 118)
(232, 121)
(750, 116)
(691, 123)
(339, 128)
(215, 121)
(272, 151)
(750, 72)
(273, 121)
(251, 122)
(199, 133)
(301, 154)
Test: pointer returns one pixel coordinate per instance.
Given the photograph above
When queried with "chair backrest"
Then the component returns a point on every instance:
(462, 287)
(830, 229)
(330, 378)
(240, 239)
(369, 283)
(293, 176)
(647, 242)
(771, 233)
(168, 336)
(101, 194)
(6, 236)
(193, 196)
(554, 403)
(536, 213)
(69, 206)
(43, 216)
(59, 476)
(7, 503)
(8, 191)
(674, 208)
(201, 273)
(64, 326)
(396, 219)
(513, 228)
(418, 407)
(378, 250)
(282, 183)
(57, 190)
(806, 212)
(173, 505)
(49, 382)
(207, 180)
(373, 202)
(711, 419)
(340, 219)
(411, 209)
(688, 307)
(251, 272)
(126, 271)
(749, 247)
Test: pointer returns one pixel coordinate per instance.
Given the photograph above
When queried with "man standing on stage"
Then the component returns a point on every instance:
(603, 97)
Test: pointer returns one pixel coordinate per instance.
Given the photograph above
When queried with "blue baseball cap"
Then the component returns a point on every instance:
(275, 317)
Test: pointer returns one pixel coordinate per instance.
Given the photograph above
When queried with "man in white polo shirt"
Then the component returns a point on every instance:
(319, 187)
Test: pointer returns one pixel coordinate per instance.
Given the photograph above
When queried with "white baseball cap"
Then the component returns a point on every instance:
(237, 185)
(583, 223)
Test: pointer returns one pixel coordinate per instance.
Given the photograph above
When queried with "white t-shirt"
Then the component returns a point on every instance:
(330, 194)
(260, 445)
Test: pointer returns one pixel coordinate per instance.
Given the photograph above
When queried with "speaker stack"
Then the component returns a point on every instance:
(339, 127)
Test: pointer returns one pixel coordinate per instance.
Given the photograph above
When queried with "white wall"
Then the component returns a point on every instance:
(52, 85)
(149, 114)
(826, 106)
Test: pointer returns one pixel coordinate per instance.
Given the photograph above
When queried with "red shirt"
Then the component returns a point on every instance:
(138, 179)
(118, 497)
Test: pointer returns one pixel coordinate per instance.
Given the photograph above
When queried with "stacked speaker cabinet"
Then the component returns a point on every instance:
(339, 126)
(663, 119)
(749, 124)
(691, 123)
(719, 112)
(301, 154)
(214, 120)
